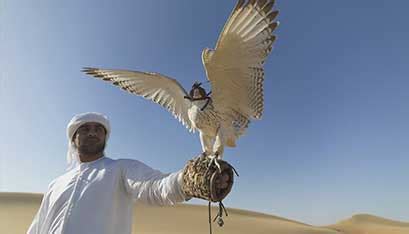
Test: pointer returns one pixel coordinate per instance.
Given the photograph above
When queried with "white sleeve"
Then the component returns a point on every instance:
(152, 186)
(36, 225)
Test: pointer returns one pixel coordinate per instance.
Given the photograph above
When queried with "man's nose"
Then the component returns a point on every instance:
(92, 132)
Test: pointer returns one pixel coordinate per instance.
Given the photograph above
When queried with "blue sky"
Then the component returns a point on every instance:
(334, 137)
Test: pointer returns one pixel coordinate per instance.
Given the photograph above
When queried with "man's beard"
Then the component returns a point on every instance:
(92, 149)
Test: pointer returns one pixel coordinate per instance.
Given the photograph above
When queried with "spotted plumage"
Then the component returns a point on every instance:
(234, 69)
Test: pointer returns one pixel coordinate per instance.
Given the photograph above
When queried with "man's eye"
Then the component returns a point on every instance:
(83, 130)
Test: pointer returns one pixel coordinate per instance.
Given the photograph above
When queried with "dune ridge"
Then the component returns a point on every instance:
(367, 218)
(18, 209)
(370, 224)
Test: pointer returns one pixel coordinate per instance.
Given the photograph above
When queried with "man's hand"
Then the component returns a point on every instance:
(204, 180)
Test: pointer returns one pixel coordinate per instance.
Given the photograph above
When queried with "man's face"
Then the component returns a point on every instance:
(90, 139)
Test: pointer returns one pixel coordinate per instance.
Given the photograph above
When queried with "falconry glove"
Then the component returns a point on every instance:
(205, 180)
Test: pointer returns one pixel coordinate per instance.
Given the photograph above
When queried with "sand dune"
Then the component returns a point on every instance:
(18, 209)
(369, 224)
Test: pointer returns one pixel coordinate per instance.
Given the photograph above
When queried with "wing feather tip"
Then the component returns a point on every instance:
(88, 69)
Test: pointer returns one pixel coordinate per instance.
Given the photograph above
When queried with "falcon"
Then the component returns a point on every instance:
(235, 72)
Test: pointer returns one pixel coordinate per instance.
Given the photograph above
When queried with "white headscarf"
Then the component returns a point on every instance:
(77, 121)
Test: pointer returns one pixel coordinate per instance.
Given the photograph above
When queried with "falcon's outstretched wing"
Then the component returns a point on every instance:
(158, 88)
(235, 67)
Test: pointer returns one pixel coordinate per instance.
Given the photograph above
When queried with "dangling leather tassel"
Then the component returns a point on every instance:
(210, 218)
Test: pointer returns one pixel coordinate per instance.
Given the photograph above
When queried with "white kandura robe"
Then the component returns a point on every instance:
(97, 197)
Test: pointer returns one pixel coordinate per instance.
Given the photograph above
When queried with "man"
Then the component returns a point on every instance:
(96, 194)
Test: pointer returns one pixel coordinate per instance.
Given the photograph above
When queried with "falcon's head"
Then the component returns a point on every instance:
(197, 91)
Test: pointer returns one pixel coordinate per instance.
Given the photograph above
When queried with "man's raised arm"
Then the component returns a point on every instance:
(152, 186)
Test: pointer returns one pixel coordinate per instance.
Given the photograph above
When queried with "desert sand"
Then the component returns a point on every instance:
(18, 209)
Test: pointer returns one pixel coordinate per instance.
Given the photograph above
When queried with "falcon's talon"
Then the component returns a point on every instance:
(218, 165)
(214, 160)
(217, 154)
